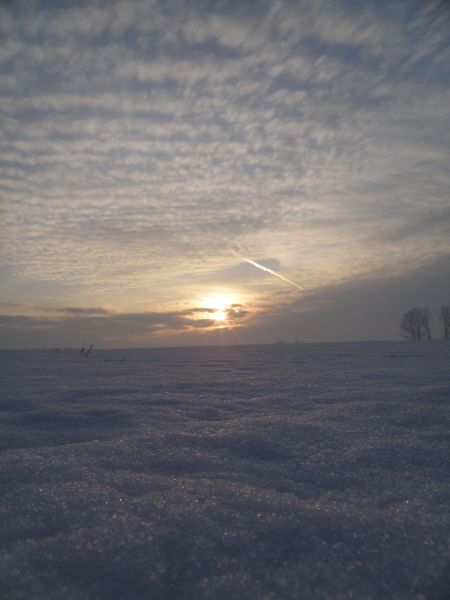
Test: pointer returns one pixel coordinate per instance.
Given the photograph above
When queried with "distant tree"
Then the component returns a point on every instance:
(415, 324)
(426, 322)
(445, 318)
(409, 325)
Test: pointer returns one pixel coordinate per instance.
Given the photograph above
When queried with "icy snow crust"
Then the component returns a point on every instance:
(286, 471)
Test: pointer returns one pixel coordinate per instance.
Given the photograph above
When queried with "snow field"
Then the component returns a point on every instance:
(286, 471)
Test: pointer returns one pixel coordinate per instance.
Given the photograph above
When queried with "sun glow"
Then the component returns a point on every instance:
(217, 305)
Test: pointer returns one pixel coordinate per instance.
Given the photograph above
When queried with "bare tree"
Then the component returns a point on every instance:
(445, 318)
(426, 323)
(408, 325)
(415, 324)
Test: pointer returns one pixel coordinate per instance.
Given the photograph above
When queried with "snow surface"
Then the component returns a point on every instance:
(286, 471)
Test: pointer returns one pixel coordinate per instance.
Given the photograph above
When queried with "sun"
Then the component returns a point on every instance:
(217, 305)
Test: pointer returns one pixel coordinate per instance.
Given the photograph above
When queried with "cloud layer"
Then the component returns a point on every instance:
(143, 143)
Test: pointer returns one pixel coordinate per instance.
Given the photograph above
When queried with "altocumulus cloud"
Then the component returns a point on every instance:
(142, 140)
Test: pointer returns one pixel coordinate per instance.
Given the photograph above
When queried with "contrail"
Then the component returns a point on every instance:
(263, 268)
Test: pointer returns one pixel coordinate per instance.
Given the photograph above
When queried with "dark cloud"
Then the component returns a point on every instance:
(75, 311)
(101, 325)
(13, 305)
(367, 308)
(236, 313)
(430, 222)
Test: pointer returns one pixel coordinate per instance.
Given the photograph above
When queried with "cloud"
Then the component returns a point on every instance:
(237, 273)
(140, 143)
(262, 267)
(76, 311)
(70, 326)
(366, 308)
(430, 223)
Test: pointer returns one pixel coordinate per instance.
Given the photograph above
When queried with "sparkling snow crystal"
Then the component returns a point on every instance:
(286, 471)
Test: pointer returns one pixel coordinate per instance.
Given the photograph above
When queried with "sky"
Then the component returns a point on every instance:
(155, 155)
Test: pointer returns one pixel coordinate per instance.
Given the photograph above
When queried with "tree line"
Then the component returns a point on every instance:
(415, 323)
